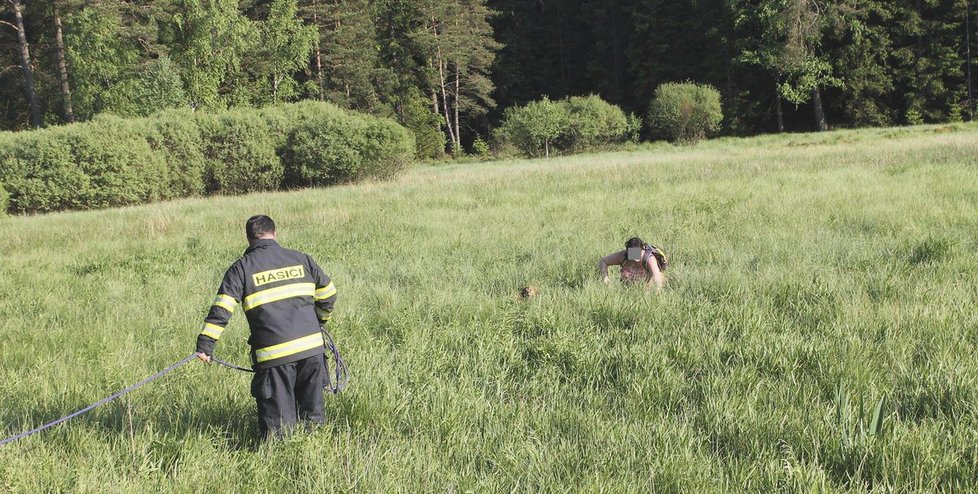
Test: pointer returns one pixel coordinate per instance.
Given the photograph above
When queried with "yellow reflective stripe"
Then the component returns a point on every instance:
(324, 315)
(278, 293)
(289, 348)
(212, 330)
(326, 291)
(226, 302)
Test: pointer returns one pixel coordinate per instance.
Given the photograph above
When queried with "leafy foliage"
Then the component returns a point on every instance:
(4, 200)
(334, 148)
(240, 153)
(534, 127)
(481, 148)
(594, 123)
(119, 163)
(685, 112)
(569, 125)
(175, 136)
(40, 174)
(283, 51)
(210, 41)
(106, 49)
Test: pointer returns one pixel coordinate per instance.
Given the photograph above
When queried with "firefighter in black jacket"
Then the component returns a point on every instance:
(286, 298)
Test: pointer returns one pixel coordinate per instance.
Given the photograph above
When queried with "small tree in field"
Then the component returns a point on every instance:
(534, 127)
(593, 123)
(685, 112)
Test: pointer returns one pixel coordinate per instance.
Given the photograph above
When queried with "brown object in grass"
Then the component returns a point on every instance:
(529, 292)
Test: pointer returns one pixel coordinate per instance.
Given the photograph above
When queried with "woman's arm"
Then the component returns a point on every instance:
(617, 258)
(658, 279)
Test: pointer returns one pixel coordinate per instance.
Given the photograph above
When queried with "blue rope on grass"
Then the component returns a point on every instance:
(342, 376)
(229, 365)
(100, 402)
(341, 380)
(342, 372)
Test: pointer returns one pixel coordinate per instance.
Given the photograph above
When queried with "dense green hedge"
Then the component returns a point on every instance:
(115, 162)
(332, 147)
(240, 153)
(175, 136)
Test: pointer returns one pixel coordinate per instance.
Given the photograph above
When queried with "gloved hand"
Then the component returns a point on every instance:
(204, 357)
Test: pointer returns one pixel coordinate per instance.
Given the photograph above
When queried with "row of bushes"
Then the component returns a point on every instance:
(115, 162)
(682, 112)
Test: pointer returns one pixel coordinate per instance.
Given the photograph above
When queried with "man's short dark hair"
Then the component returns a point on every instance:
(634, 242)
(259, 225)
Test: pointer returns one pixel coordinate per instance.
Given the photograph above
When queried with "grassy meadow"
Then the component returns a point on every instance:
(813, 278)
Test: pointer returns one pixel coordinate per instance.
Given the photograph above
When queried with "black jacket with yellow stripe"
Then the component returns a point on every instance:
(286, 298)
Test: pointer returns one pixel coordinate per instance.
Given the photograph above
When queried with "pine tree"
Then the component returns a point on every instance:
(860, 45)
(930, 65)
(347, 62)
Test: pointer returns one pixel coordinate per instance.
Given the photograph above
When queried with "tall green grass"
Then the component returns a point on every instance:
(813, 278)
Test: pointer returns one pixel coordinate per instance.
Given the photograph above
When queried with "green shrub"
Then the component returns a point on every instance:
(685, 112)
(634, 127)
(240, 153)
(106, 162)
(280, 125)
(3, 200)
(6, 142)
(40, 173)
(321, 151)
(388, 149)
(282, 120)
(593, 123)
(574, 124)
(534, 128)
(175, 137)
(121, 166)
(480, 148)
(339, 147)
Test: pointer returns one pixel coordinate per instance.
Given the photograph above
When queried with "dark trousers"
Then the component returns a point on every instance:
(289, 393)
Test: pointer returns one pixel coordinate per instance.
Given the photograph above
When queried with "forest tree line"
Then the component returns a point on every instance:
(447, 69)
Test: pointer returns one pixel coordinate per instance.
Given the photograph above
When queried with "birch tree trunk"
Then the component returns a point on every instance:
(444, 95)
(458, 129)
(25, 64)
(319, 53)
